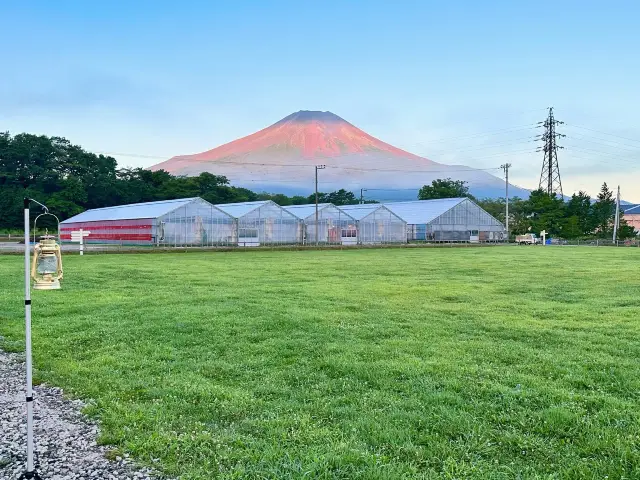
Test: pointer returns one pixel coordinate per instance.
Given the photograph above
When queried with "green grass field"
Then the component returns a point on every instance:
(481, 363)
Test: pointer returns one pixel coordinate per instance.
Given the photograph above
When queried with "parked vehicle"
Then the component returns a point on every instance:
(528, 239)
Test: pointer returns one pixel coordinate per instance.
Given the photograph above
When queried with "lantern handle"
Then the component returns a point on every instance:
(36, 249)
(46, 212)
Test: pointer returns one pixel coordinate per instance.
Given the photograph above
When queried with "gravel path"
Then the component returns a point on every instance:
(65, 440)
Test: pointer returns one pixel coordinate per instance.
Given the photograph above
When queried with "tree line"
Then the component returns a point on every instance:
(70, 180)
(579, 217)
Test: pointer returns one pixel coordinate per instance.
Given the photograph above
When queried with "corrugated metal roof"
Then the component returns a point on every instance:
(131, 212)
(237, 210)
(304, 211)
(358, 212)
(419, 212)
(631, 209)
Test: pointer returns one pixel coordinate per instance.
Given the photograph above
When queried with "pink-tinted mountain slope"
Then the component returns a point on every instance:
(281, 158)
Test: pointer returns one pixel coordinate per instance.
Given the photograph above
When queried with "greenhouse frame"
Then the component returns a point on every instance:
(376, 224)
(263, 223)
(334, 226)
(448, 220)
(182, 222)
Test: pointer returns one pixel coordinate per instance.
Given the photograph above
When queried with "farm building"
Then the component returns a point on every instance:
(263, 223)
(187, 221)
(334, 225)
(447, 219)
(376, 224)
(631, 214)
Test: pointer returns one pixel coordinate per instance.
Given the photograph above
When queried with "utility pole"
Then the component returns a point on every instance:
(617, 219)
(506, 168)
(362, 190)
(550, 176)
(318, 167)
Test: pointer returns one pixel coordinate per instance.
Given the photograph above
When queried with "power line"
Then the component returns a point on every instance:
(327, 157)
(610, 163)
(492, 117)
(481, 134)
(605, 133)
(598, 152)
(411, 171)
(611, 143)
(265, 164)
(600, 144)
(517, 141)
(167, 157)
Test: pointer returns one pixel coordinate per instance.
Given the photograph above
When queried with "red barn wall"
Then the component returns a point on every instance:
(138, 232)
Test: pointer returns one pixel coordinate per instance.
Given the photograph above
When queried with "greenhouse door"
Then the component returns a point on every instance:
(349, 236)
(474, 237)
(248, 237)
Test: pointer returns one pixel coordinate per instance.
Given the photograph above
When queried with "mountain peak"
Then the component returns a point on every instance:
(304, 116)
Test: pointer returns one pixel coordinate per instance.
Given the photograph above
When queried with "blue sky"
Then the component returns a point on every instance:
(459, 82)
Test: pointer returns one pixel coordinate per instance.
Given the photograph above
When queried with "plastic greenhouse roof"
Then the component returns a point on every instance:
(130, 212)
(422, 211)
(307, 210)
(358, 212)
(237, 210)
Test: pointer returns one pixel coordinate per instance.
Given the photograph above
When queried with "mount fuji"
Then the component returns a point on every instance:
(281, 159)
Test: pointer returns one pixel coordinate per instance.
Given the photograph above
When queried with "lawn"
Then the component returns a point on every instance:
(480, 363)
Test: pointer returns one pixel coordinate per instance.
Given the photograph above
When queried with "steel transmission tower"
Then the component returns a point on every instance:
(550, 177)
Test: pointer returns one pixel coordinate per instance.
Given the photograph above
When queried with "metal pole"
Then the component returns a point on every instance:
(362, 190)
(317, 205)
(81, 243)
(318, 167)
(506, 167)
(617, 217)
(30, 473)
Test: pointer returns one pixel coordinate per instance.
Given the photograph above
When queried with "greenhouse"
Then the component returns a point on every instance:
(376, 224)
(448, 219)
(333, 225)
(263, 223)
(183, 222)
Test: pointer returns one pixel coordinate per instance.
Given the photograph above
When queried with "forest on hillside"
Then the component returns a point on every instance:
(69, 180)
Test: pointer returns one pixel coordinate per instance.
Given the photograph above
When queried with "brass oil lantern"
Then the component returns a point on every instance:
(46, 268)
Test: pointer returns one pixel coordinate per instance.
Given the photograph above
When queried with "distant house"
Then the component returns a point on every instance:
(631, 214)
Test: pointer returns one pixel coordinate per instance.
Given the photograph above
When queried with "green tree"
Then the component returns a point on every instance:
(571, 228)
(278, 198)
(446, 188)
(603, 213)
(520, 216)
(578, 216)
(626, 231)
(545, 212)
(339, 197)
(52, 170)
